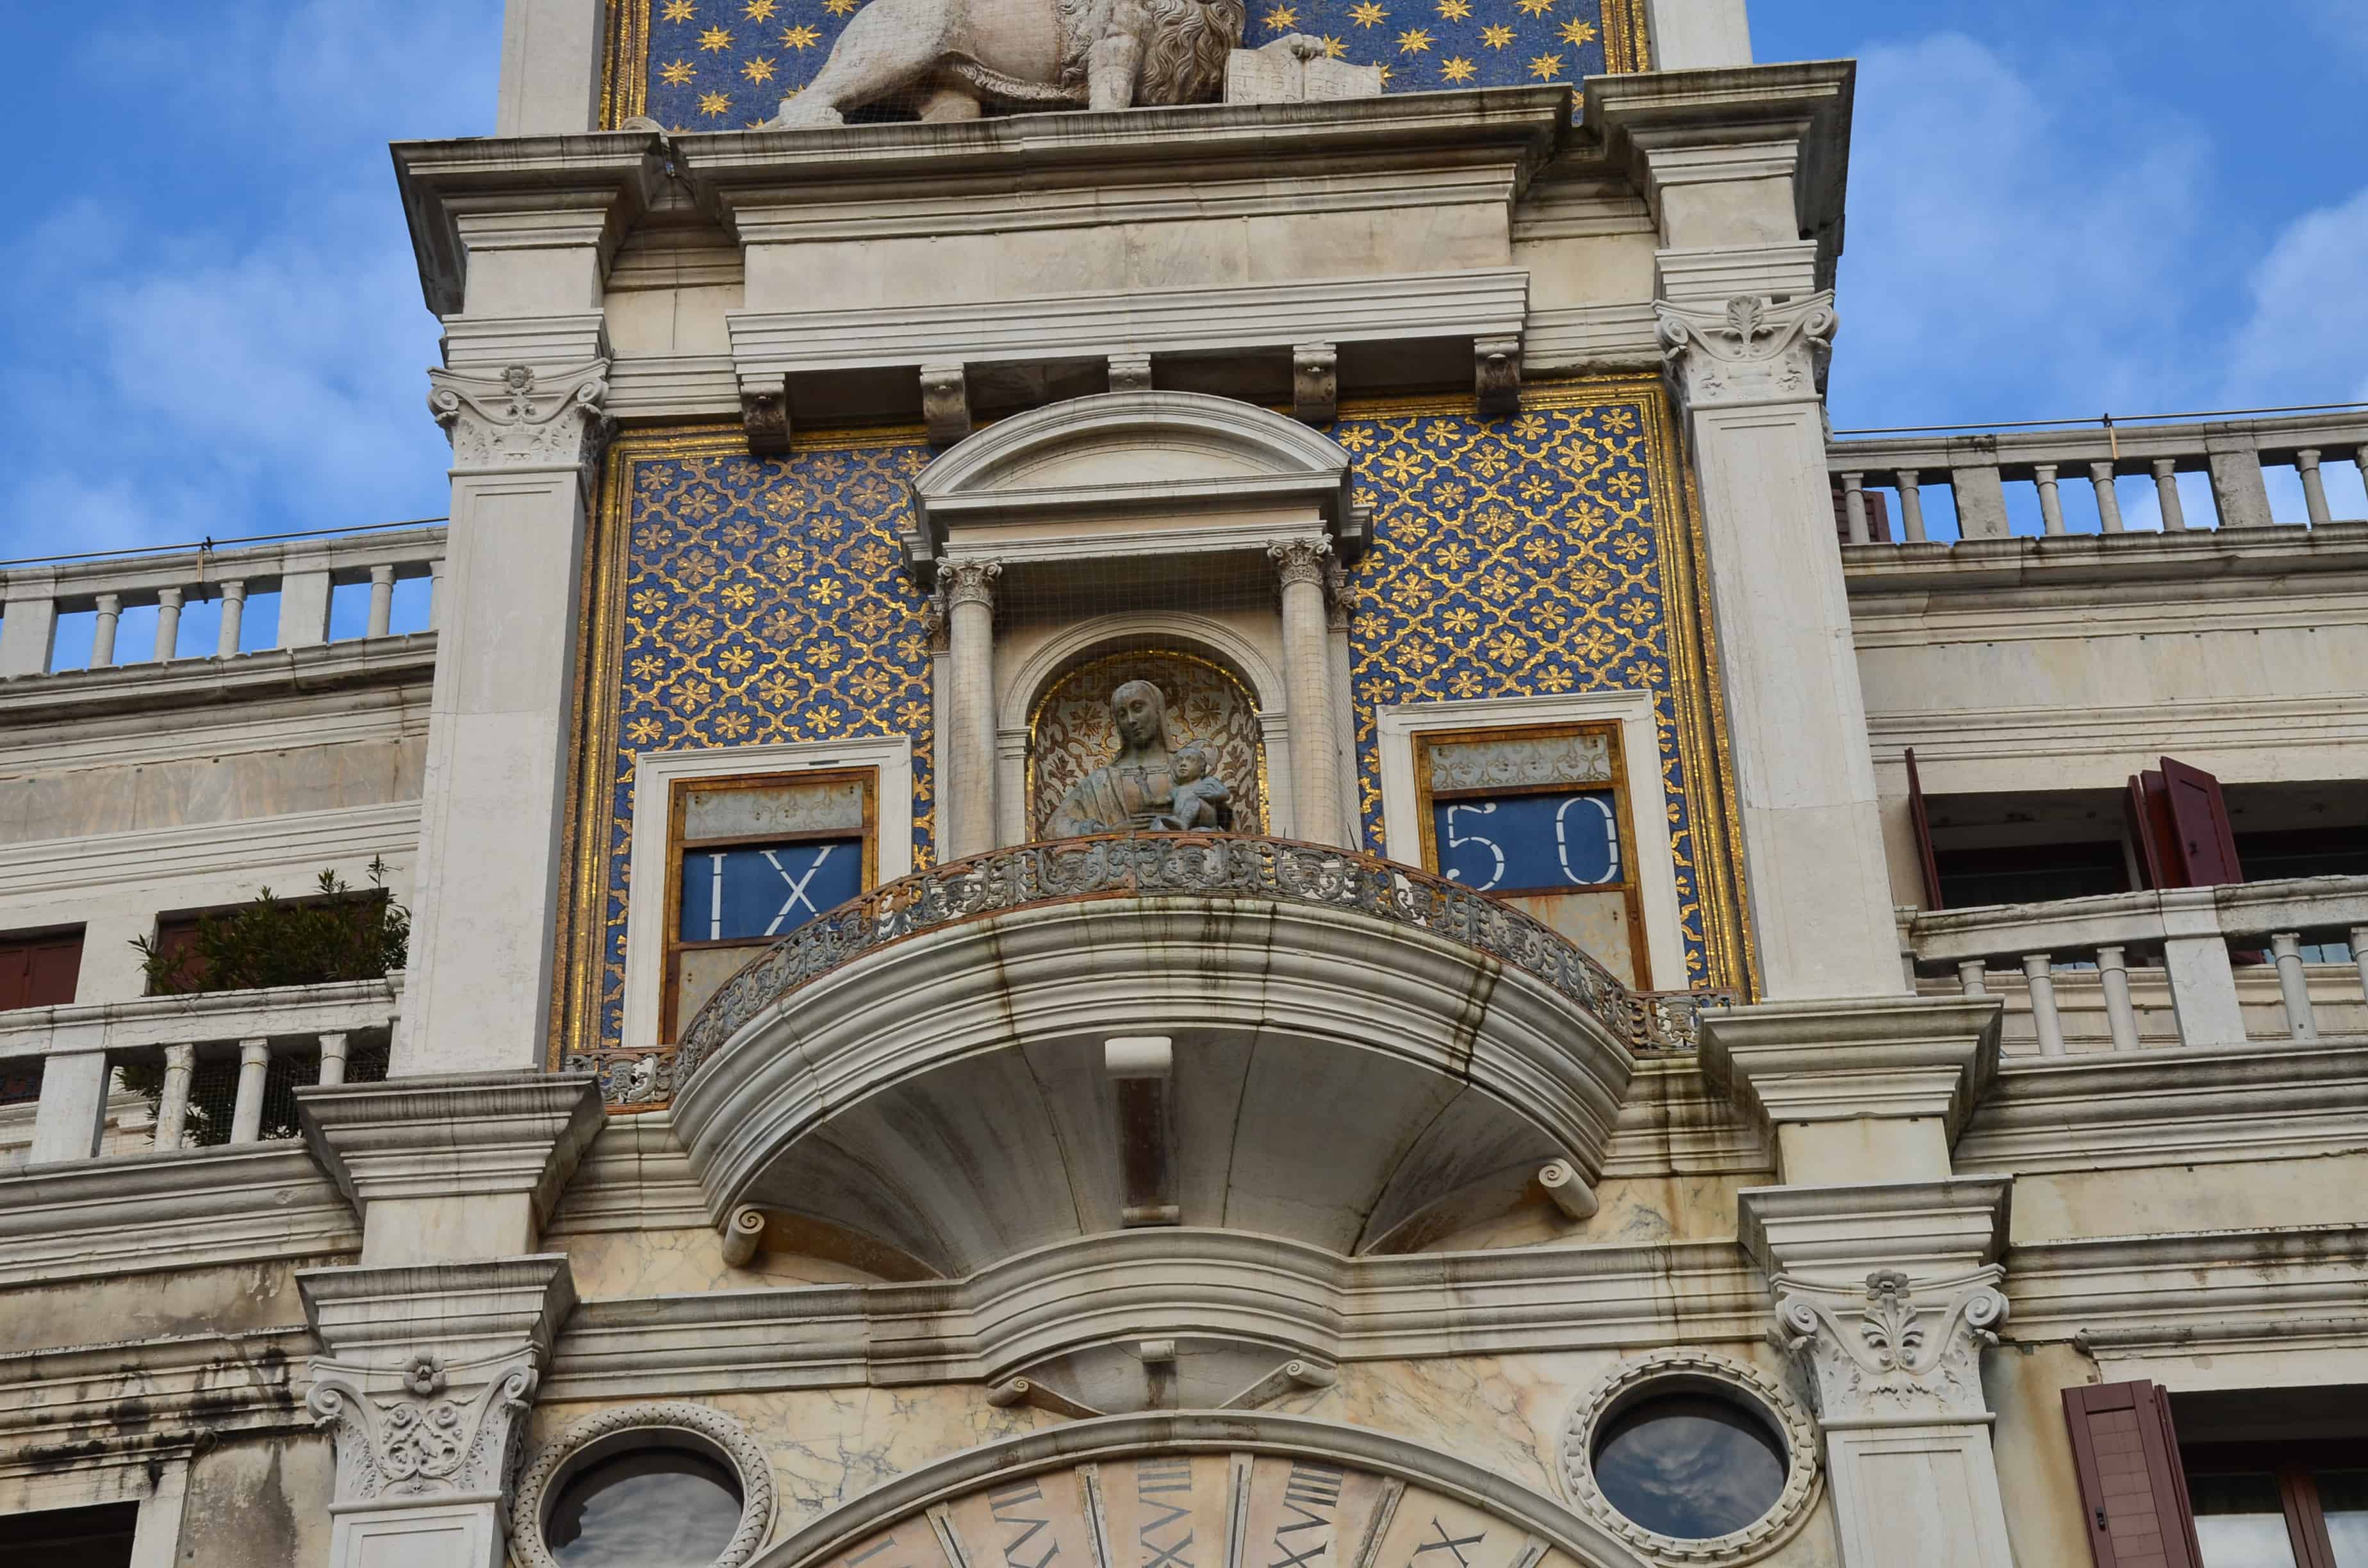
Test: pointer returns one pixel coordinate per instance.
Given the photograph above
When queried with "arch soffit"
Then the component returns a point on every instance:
(1207, 1432)
(1157, 450)
(1150, 628)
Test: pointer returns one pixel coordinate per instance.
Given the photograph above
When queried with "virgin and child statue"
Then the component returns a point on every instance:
(1149, 785)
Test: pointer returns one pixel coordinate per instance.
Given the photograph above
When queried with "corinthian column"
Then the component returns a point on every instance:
(1307, 681)
(525, 443)
(1748, 376)
(966, 775)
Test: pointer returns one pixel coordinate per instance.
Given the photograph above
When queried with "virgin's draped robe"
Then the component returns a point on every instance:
(1116, 798)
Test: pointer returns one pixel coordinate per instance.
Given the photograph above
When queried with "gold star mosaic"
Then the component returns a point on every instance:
(726, 64)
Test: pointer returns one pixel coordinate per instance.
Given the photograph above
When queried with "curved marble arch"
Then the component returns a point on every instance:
(1179, 469)
(1202, 1490)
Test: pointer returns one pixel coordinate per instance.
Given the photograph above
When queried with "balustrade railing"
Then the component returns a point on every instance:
(305, 574)
(1977, 467)
(2212, 967)
(214, 1068)
(1201, 865)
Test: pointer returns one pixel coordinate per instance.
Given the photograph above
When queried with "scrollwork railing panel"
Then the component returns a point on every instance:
(1200, 865)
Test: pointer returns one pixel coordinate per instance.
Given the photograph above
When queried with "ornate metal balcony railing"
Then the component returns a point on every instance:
(1201, 865)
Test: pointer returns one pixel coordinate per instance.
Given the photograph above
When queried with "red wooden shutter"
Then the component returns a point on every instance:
(40, 972)
(2146, 808)
(2199, 816)
(2133, 1491)
(1923, 821)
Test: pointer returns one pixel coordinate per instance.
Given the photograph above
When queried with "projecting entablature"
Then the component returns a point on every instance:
(1099, 1034)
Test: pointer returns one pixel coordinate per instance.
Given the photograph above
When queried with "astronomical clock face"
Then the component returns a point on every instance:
(1203, 1511)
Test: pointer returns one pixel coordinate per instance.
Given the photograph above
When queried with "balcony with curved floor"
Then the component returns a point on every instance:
(1356, 1055)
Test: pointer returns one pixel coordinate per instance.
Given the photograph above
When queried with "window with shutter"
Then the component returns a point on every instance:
(2131, 1491)
(39, 969)
(2199, 816)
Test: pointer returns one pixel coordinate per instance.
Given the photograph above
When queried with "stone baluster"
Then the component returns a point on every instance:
(2113, 970)
(381, 603)
(2293, 985)
(1911, 505)
(1972, 977)
(2166, 494)
(173, 1105)
(233, 620)
(2109, 500)
(1855, 507)
(2038, 970)
(168, 624)
(1307, 680)
(2051, 503)
(333, 1059)
(247, 1112)
(102, 635)
(969, 785)
(2313, 487)
(2359, 936)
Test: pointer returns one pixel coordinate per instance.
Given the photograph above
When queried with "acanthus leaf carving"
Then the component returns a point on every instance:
(1900, 1348)
(1751, 350)
(520, 416)
(418, 1434)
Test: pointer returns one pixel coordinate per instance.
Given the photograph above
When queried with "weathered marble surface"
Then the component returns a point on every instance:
(621, 1264)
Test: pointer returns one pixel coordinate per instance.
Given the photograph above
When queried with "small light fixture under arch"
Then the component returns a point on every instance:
(619, 1484)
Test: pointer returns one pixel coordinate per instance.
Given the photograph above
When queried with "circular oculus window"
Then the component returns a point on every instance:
(644, 1486)
(1691, 1458)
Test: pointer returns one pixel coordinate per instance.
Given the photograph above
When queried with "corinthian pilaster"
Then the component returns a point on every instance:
(1898, 1349)
(1753, 351)
(520, 417)
(425, 1381)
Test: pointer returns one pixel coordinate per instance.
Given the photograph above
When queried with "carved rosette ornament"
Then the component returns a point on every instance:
(521, 417)
(430, 1435)
(1900, 1349)
(1753, 350)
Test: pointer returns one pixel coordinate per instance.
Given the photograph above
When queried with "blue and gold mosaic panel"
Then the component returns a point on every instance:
(735, 601)
(1540, 553)
(739, 601)
(725, 64)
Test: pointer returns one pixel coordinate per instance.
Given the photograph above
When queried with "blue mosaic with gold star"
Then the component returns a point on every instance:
(766, 600)
(724, 64)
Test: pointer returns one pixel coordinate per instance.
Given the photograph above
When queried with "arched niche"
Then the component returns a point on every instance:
(1070, 734)
(1247, 1489)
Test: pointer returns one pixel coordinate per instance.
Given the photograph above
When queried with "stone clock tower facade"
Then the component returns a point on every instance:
(1148, 836)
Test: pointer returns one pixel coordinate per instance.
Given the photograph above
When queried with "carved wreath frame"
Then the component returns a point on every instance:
(672, 1425)
(1679, 1371)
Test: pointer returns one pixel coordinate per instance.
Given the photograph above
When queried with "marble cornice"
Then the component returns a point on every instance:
(584, 190)
(139, 1400)
(452, 1135)
(2127, 568)
(79, 695)
(1126, 1284)
(2199, 1287)
(145, 1213)
(907, 162)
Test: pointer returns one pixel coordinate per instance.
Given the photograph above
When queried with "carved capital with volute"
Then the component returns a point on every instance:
(1753, 351)
(1896, 1348)
(969, 582)
(1300, 561)
(520, 417)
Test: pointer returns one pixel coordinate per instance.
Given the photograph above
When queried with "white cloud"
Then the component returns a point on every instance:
(228, 340)
(2021, 234)
(2306, 339)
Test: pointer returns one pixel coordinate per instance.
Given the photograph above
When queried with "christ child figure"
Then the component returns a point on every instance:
(1201, 798)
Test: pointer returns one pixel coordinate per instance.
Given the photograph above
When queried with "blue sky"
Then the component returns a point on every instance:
(215, 328)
